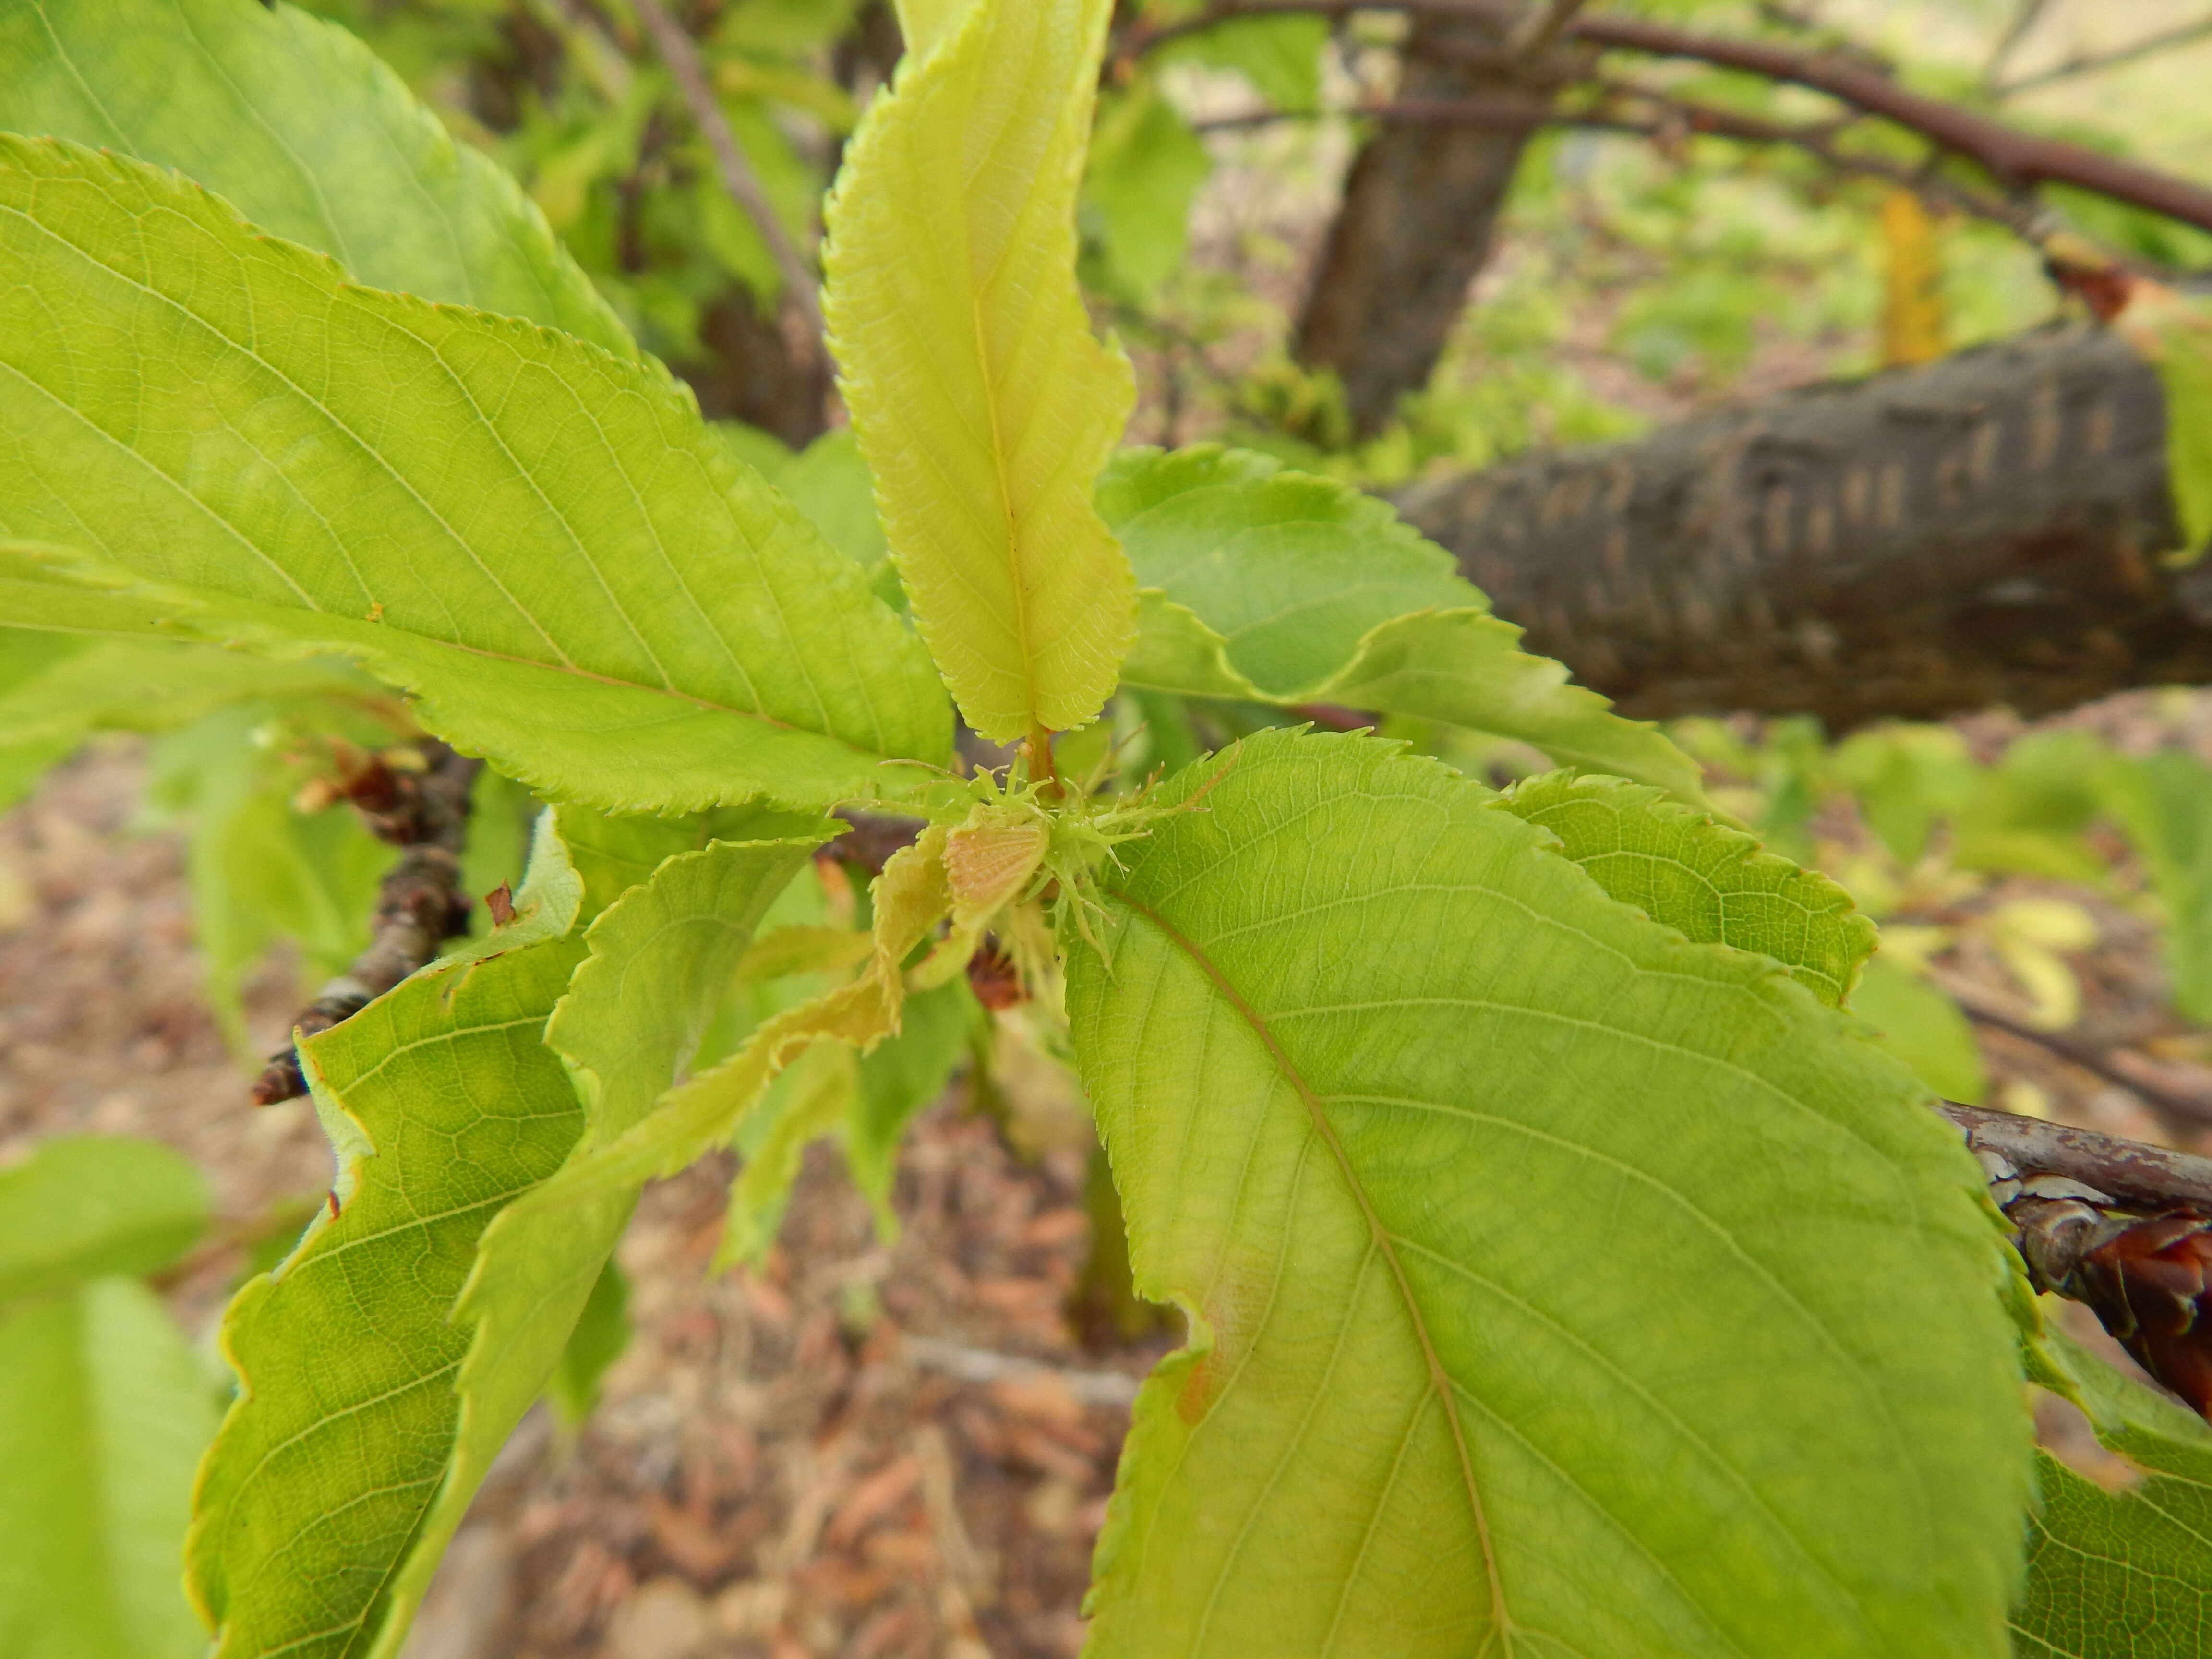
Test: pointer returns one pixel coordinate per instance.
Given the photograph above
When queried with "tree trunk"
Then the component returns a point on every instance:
(1416, 220)
(1986, 528)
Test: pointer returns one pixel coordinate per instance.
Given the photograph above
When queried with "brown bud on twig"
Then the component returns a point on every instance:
(423, 808)
(2124, 1228)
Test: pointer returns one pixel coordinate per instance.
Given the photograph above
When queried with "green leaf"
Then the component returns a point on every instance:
(614, 853)
(2125, 1574)
(898, 1080)
(443, 1104)
(1924, 1029)
(1556, 1285)
(1281, 587)
(1710, 884)
(814, 1097)
(712, 1106)
(56, 691)
(260, 871)
(1144, 171)
(982, 400)
(602, 1332)
(307, 133)
(659, 960)
(84, 1206)
(1279, 56)
(828, 482)
(2164, 801)
(2174, 332)
(1906, 779)
(104, 1411)
(540, 540)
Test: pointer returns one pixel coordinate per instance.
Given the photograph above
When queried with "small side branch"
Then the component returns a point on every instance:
(1641, 111)
(2128, 1071)
(419, 903)
(2015, 159)
(2122, 1228)
(2127, 1171)
(2090, 63)
(681, 53)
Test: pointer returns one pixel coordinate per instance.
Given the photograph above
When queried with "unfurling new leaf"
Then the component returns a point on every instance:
(983, 403)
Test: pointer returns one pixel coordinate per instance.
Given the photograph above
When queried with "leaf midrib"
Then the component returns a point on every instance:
(1440, 1381)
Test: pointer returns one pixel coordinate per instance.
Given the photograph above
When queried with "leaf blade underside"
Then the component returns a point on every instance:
(542, 540)
(982, 403)
(444, 1105)
(660, 960)
(1421, 1139)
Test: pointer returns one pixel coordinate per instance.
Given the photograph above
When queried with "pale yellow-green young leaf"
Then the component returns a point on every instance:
(926, 23)
(983, 403)
(911, 898)
(630, 1021)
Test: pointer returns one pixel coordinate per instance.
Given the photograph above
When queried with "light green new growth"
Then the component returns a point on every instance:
(104, 1408)
(820, 1093)
(1917, 1022)
(897, 1080)
(87, 1206)
(2121, 1575)
(602, 1333)
(661, 960)
(104, 1411)
(306, 132)
(1557, 1286)
(982, 403)
(150, 685)
(540, 540)
(1712, 883)
(2174, 333)
(443, 1104)
(1279, 587)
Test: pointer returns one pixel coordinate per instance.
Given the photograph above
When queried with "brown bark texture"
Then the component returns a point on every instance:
(419, 903)
(1987, 529)
(1415, 224)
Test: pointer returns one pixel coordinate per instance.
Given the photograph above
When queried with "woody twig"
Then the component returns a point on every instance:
(419, 903)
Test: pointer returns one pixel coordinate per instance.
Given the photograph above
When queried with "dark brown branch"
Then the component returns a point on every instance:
(1913, 545)
(2016, 160)
(2123, 1228)
(2126, 1171)
(1675, 118)
(419, 904)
